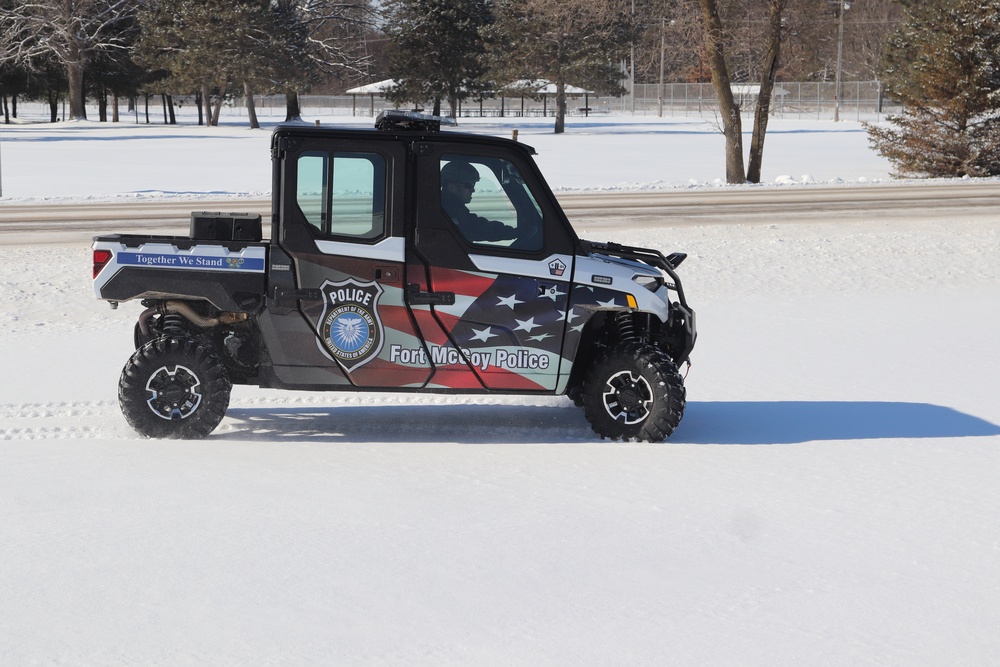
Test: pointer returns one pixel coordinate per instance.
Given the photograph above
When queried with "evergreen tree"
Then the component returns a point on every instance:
(222, 45)
(569, 43)
(439, 49)
(178, 37)
(943, 64)
(13, 81)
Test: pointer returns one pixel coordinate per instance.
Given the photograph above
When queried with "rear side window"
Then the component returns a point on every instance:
(342, 194)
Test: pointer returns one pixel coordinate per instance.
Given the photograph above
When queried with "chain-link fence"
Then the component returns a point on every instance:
(860, 100)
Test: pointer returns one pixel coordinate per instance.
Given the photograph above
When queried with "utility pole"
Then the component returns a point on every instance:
(663, 50)
(840, 62)
(632, 61)
(663, 46)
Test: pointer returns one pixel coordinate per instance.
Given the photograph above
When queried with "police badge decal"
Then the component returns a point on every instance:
(349, 328)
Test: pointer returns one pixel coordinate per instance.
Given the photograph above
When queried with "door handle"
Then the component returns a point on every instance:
(415, 297)
(286, 297)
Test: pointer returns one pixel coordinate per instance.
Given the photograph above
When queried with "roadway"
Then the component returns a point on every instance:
(77, 222)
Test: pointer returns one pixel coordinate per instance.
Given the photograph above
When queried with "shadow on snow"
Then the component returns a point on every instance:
(708, 422)
(788, 422)
(411, 423)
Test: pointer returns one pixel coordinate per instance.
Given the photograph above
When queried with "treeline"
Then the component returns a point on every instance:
(439, 51)
(108, 50)
(941, 58)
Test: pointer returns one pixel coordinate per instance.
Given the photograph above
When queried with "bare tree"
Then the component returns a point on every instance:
(70, 32)
(868, 25)
(330, 30)
(769, 75)
(729, 110)
(668, 32)
(715, 48)
(808, 45)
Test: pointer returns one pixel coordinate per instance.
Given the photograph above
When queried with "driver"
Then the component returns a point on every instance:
(458, 182)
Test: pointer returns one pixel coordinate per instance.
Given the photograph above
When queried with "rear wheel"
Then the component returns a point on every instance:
(174, 387)
(634, 392)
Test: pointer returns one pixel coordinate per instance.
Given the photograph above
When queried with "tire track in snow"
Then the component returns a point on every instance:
(73, 420)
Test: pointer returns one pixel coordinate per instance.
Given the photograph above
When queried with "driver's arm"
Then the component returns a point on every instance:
(477, 228)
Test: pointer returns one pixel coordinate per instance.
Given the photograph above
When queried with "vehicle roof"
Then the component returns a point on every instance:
(374, 135)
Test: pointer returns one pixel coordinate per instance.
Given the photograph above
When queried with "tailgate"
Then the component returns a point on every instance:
(230, 275)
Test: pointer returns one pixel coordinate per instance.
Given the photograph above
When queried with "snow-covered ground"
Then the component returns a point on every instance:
(102, 161)
(829, 498)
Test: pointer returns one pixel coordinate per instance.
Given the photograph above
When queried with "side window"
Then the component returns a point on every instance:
(342, 194)
(490, 203)
(310, 188)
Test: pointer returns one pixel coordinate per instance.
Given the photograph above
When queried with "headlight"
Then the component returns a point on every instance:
(652, 283)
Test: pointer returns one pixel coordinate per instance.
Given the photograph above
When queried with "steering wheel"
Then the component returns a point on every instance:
(532, 240)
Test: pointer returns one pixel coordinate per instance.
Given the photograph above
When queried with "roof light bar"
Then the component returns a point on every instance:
(398, 119)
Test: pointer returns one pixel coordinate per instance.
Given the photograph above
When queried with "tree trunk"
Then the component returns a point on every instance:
(170, 110)
(217, 111)
(74, 73)
(114, 108)
(293, 112)
(53, 106)
(732, 124)
(206, 100)
(560, 107)
(6, 110)
(102, 105)
(251, 107)
(197, 102)
(763, 111)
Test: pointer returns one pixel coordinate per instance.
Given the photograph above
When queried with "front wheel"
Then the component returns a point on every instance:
(174, 387)
(634, 392)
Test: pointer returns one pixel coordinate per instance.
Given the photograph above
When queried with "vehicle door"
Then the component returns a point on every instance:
(346, 251)
(489, 274)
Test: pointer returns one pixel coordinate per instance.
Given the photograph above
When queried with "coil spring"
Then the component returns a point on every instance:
(626, 327)
(171, 324)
